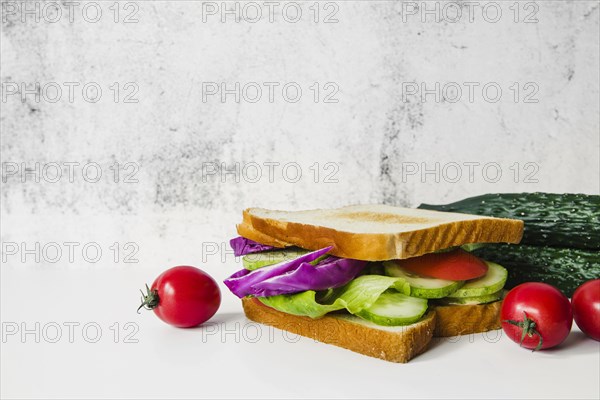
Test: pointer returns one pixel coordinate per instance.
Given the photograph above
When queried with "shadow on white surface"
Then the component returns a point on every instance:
(221, 318)
(437, 346)
(576, 343)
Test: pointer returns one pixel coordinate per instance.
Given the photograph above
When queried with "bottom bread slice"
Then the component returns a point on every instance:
(396, 344)
(455, 320)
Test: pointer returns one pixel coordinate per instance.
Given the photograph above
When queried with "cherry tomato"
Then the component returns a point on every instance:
(536, 315)
(183, 296)
(586, 308)
(454, 265)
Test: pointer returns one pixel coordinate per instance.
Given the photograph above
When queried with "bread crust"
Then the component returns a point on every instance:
(455, 320)
(385, 246)
(246, 230)
(395, 346)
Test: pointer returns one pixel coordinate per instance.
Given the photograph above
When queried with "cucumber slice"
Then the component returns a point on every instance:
(490, 283)
(259, 260)
(421, 286)
(393, 308)
(466, 247)
(486, 298)
(472, 246)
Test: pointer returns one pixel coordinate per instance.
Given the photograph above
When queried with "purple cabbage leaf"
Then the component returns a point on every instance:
(242, 246)
(295, 276)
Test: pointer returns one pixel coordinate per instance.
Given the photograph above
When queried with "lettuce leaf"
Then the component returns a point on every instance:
(357, 295)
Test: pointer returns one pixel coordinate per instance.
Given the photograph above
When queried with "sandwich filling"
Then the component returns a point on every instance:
(391, 293)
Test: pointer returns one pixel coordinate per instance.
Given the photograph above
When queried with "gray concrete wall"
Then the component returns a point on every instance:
(362, 129)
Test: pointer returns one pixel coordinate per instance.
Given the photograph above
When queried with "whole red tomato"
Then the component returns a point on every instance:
(586, 308)
(536, 315)
(183, 296)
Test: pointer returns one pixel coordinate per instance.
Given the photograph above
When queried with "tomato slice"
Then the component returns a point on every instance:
(454, 265)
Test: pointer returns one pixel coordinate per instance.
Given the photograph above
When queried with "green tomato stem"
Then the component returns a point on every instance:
(527, 326)
(150, 299)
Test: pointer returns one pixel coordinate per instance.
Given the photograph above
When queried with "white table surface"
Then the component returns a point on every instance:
(232, 357)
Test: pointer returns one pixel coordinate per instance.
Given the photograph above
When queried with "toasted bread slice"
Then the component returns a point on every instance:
(396, 344)
(455, 320)
(246, 230)
(379, 232)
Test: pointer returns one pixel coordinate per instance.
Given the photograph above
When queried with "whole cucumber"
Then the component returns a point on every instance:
(562, 220)
(564, 268)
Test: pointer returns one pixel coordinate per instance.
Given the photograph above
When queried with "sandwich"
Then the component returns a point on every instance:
(375, 279)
